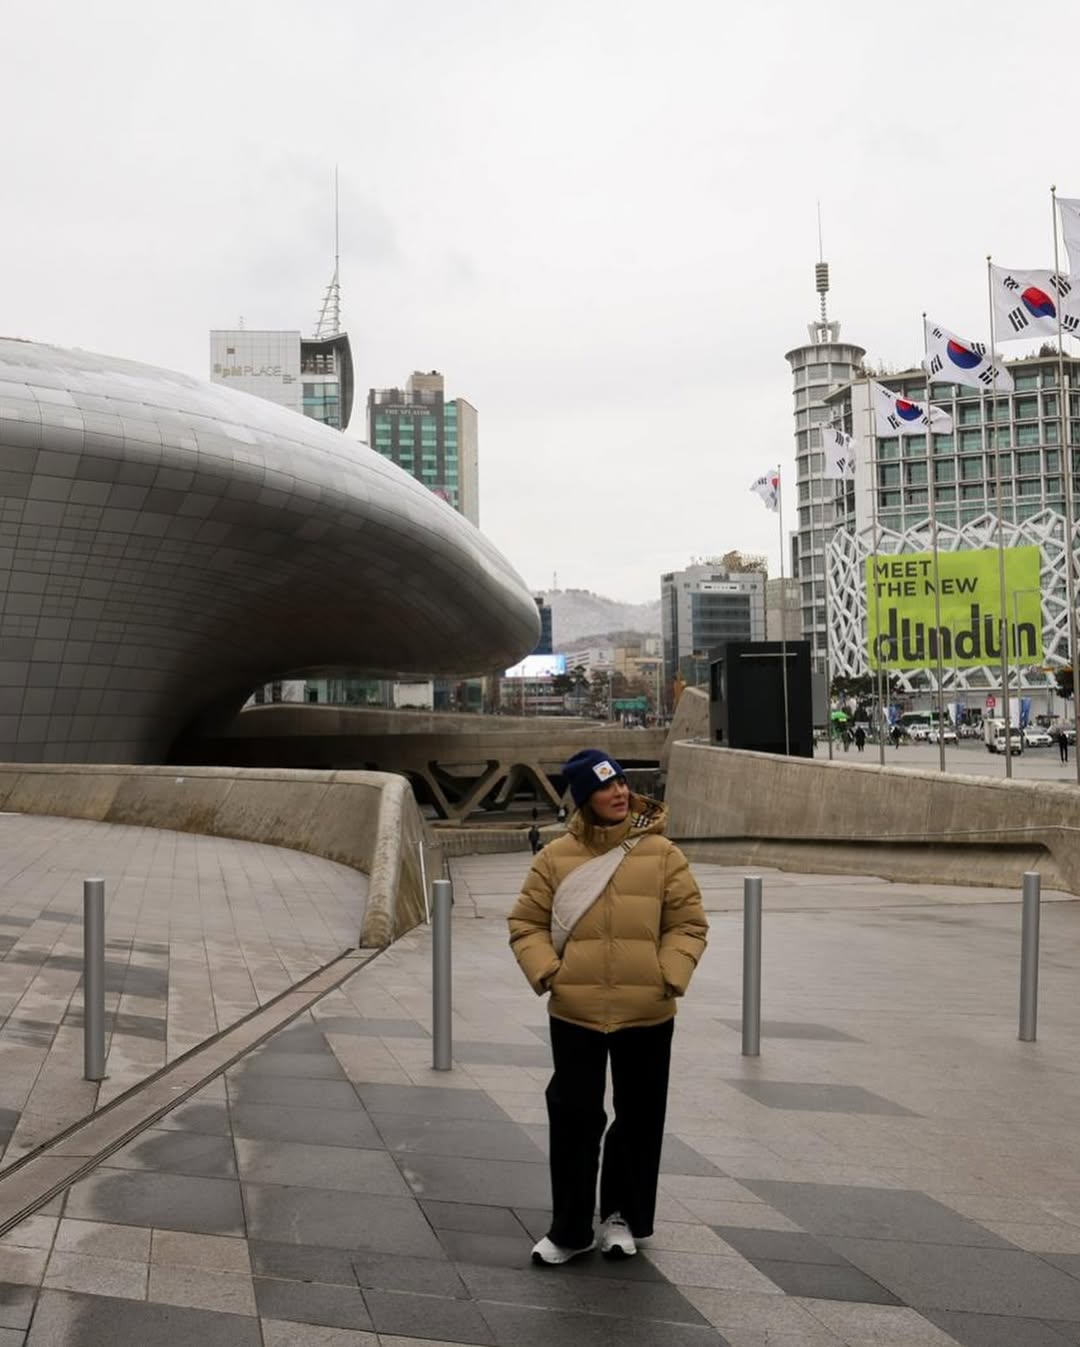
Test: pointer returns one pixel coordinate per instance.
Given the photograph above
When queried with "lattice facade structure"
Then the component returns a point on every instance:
(849, 551)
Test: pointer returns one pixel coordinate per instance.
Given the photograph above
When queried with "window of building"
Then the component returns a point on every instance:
(1050, 404)
(1000, 437)
(971, 468)
(1028, 463)
(916, 497)
(1029, 487)
(944, 444)
(1027, 510)
(969, 413)
(945, 493)
(1049, 376)
(915, 446)
(916, 474)
(888, 449)
(888, 500)
(971, 439)
(972, 492)
(1052, 460)
(945, 471)
(1029, 379)
(817, 373)
(889, 474)
(947, 518)
(1027, 409)
(1051, 432)
(1027, 435)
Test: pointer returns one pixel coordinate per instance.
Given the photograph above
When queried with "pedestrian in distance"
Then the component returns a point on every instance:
(1063, 744)
(534, 838)
(561, 815)
(895, 736)
(610, 925)
(860, 738)
(846, 736)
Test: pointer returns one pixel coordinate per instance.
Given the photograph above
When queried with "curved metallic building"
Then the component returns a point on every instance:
(166, 545)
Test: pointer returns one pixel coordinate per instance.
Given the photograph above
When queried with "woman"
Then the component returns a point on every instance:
(628, 949)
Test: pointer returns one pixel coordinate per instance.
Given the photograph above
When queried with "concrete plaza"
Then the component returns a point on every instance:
(894, 1170)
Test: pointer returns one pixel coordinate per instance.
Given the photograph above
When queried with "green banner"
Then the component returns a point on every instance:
(902, 626)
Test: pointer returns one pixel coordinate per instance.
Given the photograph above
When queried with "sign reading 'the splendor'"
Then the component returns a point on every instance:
(902, 629)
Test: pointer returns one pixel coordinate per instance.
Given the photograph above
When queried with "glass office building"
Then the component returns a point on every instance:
(312, 375)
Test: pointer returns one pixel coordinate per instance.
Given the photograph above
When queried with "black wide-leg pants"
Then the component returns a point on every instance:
(640, 1059)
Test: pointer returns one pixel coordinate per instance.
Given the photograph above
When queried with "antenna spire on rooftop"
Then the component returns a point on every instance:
(822, 330)
(329, 320)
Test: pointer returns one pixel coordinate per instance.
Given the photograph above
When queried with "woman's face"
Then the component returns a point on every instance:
(611, 803)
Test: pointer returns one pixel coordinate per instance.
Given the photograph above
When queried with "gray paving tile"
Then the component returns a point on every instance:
(339, 1220)
(290, 1122)
(498, 1183)
(798, 1029)
(501, 1054)
(679, 1158)
(300, 1165)
(871, 1213)
(297, 1038)
(299, 1065)
(137, 1026)
(169, 1201)
(376, 1028)
(421, 1276)
(9, 1119)
(69, 1319)
(619, 1297)
(523, 1326)
(789, 1246)
(986, 1330)
(464, 1246)
(436, 1101)
(468, 1217)
(1070, 1332)
(409, 1134)
(12, 1337)
(309, 1303)
(301, 1263)
(198, 1116)
(818, 1098)
(979, 1280)
(16, 1305)
(1067, 1262)
(251, 1089)
(179, 1152)
(439, 1317)
(825, 1281)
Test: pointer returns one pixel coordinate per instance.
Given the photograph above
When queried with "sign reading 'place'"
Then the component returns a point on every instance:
(903, 603)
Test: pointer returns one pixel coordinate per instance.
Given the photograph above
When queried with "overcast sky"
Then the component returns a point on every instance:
(596, 217)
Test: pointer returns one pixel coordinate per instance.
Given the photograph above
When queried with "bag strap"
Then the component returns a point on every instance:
(581, 888)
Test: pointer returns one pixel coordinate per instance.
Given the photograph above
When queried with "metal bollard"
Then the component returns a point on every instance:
(442, 1044)
(1029, 957)
(751, 967)
(94, 979)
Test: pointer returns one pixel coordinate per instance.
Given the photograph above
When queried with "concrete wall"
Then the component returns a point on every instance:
(743, 808)
(690, 720)
(367, 820)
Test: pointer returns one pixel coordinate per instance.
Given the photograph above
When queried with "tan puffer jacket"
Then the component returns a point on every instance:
(635, 949)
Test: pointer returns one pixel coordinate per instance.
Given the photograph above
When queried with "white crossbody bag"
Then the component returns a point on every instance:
(581, 888)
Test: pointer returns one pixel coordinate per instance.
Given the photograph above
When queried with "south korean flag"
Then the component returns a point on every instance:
(950, 358)
(839, 456)
(1029, 303)
(896, 415)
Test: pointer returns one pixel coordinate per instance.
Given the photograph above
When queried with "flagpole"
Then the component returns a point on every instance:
(877, 595)
(934, 546)
(813, 599)
(783, 606)
(989, 439)
(1067, 468)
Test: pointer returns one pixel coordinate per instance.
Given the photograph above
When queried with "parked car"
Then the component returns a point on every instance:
(997, 744)
(948, 734)
(1034, 737)
(918, 733)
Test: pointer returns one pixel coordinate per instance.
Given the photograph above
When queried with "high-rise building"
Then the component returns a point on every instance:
(544, 645)
(312, 375)
(1014, 438)
(432, 438)
(783, 618)
(816, 369)
(704, 607)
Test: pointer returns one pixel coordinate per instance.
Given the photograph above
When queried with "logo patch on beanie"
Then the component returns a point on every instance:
(604, 770)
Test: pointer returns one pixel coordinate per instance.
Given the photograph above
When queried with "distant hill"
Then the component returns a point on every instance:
(578, 614)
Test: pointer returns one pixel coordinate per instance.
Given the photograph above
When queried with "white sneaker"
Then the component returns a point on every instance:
(548, 1252)
(616, 1241)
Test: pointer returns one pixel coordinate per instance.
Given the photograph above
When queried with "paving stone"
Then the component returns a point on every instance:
(497, 1182)
(983, 1281)
(322, 1126)
(523, 1326)
(68, 1319)
(467, 1216)
(825, 1281)
(872, 1213)
(168, 1201)
(728, 1272)
(9, 1118)
(321, 1065)
(310, 1303)
(986, 1330)
(466, 1137)
(16, 1305)
(353, 1221)
(213, 1253)
(544, 1287)
(501, 1054)
(513, 1251)
(302, 1263)
(374, 1028)
(430, 1101)
(427, 1317)
(197, 1116)
(102, 1240)
(304, 1037)
(339, 1168)
(822, 1033)
(324, 1094)
(199, 1289)
(791, 1246)
(679, 1158)
(818, 1098)
(278, 1333)
(202, 1154)
(394, 1272)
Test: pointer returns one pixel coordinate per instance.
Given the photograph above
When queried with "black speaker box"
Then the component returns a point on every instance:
(746, 697)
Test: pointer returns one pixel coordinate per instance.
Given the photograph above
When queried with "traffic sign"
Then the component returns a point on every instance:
(991, 702)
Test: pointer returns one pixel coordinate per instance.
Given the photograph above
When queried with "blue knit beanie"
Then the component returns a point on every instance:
(589, 771)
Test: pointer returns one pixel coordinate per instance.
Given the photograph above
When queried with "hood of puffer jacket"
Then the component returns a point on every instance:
(646, 816)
